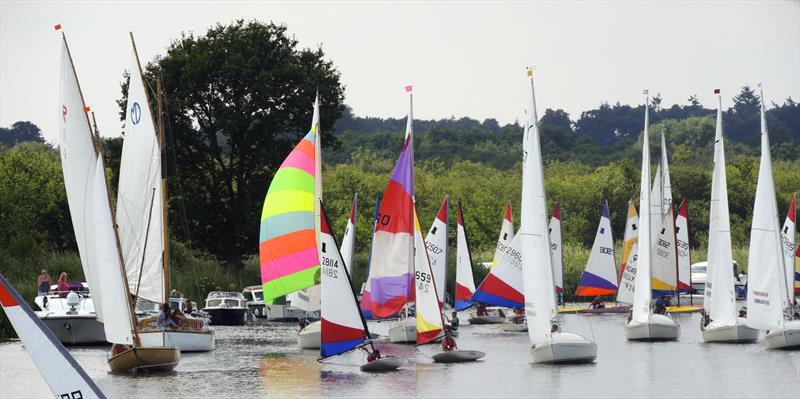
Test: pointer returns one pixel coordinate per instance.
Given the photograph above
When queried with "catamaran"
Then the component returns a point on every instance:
(600, 276)
(769, 305)
(142, 216)
(94, 224)
(643, 324)
(65, 377)
(548, 345)
(721, 322)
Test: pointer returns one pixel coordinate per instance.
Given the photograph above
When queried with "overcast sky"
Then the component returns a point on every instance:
(463, 58)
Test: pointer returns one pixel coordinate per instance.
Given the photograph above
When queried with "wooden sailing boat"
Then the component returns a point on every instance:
(721, 322)
(96, 235)
(547, 345)
(142, 216)
(65, 377)
(343, 328)
(769, 305)
(642, 323)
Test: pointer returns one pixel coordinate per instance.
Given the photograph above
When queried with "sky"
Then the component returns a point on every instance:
(463, 58)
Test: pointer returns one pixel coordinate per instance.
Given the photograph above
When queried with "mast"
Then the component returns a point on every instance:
(164, 214)
(96, 141)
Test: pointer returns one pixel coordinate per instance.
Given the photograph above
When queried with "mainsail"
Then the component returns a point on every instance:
(600, 276)
(788, 240)
(665, 258)
(556, 248)
(366, 303)
(65, 377)
(506, 235)
(465, 282)
(503, 285)
(627, 271)
(642, 294)
(429, 313)
(436, 243)
(349, 238)
(684, 248)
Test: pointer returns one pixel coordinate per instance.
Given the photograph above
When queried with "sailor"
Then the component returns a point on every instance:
(448, 343)
(43, 283)
(374, 355)
(454, 321)
(165, 318)
(597, 303)
(482, 310)
(661, 305)
(302, 322)
(554, 328)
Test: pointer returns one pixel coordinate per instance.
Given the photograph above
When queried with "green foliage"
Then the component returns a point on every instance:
(20, 132)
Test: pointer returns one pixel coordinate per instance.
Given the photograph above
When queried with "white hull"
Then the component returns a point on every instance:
(516, 328)
(659, 328)
(486, 320)
(564, 348)
(310, 337)
(75, 330)
(739, 333)
(787, 338)
(403, 333)
(186, 341)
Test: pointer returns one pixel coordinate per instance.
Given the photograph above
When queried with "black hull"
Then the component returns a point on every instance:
(227, 317)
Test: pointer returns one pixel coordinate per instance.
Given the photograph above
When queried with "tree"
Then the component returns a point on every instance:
(237, 100)
(19, 132)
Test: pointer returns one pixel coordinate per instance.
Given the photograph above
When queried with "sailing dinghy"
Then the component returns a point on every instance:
(721, 322)
(642, 323)
(65, 377)
(627, 269)
(600, 276)
(95, 232)
(348, 247)
(436, 243)
(548, 345)
(769, 305)
(788, 233)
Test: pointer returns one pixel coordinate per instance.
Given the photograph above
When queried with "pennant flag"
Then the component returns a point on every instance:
(57, 27)
(409, 88)
(716, 91)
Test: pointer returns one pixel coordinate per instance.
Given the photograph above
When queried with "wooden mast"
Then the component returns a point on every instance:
(98, 152)
(164, 214)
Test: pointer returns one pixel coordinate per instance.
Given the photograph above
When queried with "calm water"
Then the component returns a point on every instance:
(262, 361)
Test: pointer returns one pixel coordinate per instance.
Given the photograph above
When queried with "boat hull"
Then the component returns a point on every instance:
(136, 360)
(388, 363)
(403, 333)
(458, 356)
(610, 309)
(787, 338)
(227, 317)
(310, 337)
(486, 320)
(516, 328)
(659, 328)
(564, 348)
(186, 341)
(738, 333)
(76, 330)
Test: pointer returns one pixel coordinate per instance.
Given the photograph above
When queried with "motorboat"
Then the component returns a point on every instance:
(71, 315)
(254, 295)
(226, 308)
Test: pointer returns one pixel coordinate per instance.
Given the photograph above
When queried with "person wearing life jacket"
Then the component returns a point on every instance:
(448, 342)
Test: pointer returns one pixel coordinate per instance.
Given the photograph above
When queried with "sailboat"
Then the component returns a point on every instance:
(349, 238)
(343, 328)
(65, 377)
(548, 345)
(600, 276)
(391, 270)
(721, 322)
(627, 269)
(557, 250)
(769, 306)
(289, 235)
(465, 282)
(503, 285)
(142, 217)
(365, 304)
(95, 232)
(436, 244)
(788, 233)
(505, 237)
(684, 248)
(642, 323)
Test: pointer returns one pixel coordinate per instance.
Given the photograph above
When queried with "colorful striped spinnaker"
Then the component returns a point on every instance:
(600, 276)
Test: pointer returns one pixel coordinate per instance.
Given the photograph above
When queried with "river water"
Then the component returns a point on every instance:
(262, 360)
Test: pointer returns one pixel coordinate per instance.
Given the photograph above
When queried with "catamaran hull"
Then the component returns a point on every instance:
(458, 356)
(310, 337)
(403, 333)
(787, 338)
(487, 320)
(388, 363)
(659, 328)
(76, 330)
(227, 317)
(739, 333)
(564, 348)
(136, 360)
(186, 341)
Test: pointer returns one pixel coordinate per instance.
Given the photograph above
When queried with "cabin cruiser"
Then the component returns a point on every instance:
(254, 295)
(226, 308)
(193, 336)
(71, 315)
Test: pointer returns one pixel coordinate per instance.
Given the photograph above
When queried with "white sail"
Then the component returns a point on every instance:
(684, 248)
(307, 299)
(465, 282)
(349, 239)
(600, 275)
(720, 297)
(436, 243)
(664, 258)
(629, 256)
(767, 297)
(78, 162)
(656, 203)
(139, 207)
(666, 187)
(556, 248)
(641, 294)
(505, 237)
(65, 377)
(428, 311)
(537, 264)
(114, 295)
(788, 233)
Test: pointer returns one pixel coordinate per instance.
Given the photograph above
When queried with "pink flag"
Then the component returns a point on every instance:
(409, 88)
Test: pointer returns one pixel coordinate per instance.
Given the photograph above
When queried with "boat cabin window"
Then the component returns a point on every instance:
(231, 302)
(214, 302)
(699, 268)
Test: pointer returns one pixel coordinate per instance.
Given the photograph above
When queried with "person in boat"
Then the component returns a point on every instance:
(190, 310)
(63, 284)
(482, 310)
(706, 319)
(597, 303)
(43, 283)
(372, 355)
(501, 313)
(302, 322)
(554, 328)
(519, 316)
(175, 294)
(231, 287)
(742, 312)
(448, 342)
(661, 305)
(453, 320)
(165, 320)
(218, 289)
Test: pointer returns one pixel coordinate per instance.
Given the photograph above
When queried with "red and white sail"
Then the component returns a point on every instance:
(63, 374)
(436, 243)
(465, 282)
(556, 248)
(506, 235)
(788, 233)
